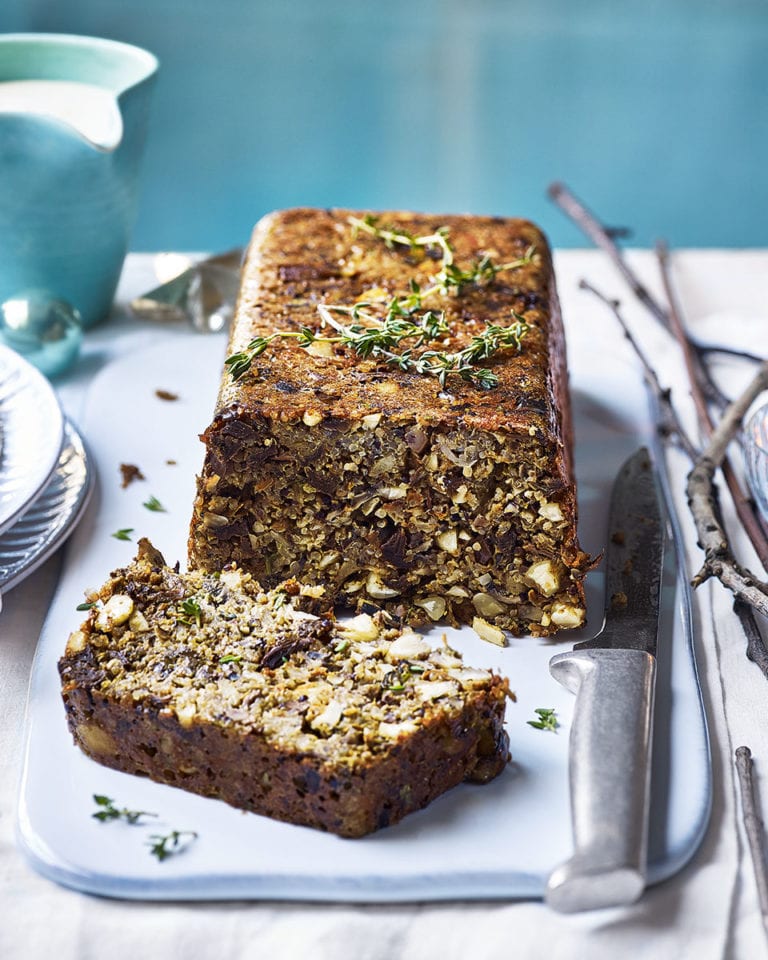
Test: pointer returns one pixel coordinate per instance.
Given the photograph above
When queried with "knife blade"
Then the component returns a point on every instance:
(613, 677)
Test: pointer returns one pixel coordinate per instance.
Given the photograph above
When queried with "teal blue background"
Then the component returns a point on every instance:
(654, 112)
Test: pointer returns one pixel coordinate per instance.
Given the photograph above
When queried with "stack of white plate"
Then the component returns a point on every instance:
(45, 477)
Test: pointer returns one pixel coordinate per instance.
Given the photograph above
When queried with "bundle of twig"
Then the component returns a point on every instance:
(719, 558)
(750, 592)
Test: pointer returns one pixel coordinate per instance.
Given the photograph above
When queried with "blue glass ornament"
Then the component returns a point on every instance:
(44, 330)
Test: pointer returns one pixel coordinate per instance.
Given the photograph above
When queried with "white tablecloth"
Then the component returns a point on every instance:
(708, 911)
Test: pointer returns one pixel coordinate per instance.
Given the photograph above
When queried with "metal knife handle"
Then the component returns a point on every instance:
(609, 772)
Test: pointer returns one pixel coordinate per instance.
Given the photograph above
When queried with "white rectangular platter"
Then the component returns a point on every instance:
(496, 841)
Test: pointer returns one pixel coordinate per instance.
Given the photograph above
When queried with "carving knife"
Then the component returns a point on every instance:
(613, 677)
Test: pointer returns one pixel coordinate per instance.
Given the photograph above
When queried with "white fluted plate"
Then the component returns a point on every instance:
(31, 435)
(50, 519)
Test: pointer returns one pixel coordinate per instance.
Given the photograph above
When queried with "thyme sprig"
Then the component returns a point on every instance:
(382, 339)
(384, 334)
(547, 719)
(379, 342)
(164, 846)
(108, 811)
(402, 238)
(240, 363)
(191, 612)
(406, 320)
(397, 678)
(451, 278)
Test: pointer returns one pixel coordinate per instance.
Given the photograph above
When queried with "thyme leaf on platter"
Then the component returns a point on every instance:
(547, 719)
(108, 811)
(166, 845)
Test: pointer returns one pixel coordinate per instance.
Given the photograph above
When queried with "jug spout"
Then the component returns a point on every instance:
(85, 110)
(78, 83)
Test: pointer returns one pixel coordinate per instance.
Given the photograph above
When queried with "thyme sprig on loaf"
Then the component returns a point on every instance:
(406, 326)
(450, 279)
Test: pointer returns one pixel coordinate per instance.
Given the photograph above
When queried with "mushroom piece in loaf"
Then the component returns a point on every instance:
(206, 682)
(407, 476)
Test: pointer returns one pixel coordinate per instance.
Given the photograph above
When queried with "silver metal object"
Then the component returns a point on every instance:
(52, 516)
(613, 677)
(203, 295)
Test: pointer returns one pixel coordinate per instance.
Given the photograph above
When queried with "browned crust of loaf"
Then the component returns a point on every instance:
(299, 258)
(295, 261)
(244, 771)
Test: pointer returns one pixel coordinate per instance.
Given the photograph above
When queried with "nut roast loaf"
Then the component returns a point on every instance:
(430, 497)
(429, 479)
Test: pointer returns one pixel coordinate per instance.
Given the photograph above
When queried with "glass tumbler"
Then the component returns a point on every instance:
(756, 457)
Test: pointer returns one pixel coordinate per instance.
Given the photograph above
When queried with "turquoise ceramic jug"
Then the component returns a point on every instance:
(67, 197)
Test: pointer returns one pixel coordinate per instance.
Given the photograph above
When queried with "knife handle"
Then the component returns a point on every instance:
(609, 773)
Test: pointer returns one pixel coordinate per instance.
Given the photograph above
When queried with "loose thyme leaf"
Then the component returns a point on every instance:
(280, 599)
(163, 846)
(108, 811)
(231, 658)
(191, 612)
(154, 505)
(547, 719)
(396, 679)
(124, 533)
(86, 606)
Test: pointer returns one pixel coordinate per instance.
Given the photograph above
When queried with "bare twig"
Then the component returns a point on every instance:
(706, 348)
(705, 391)
(670, 422)
(753, 825)
(718, 558)
(604, 238)
(701, 384)
(756, 651)
(703, 388)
